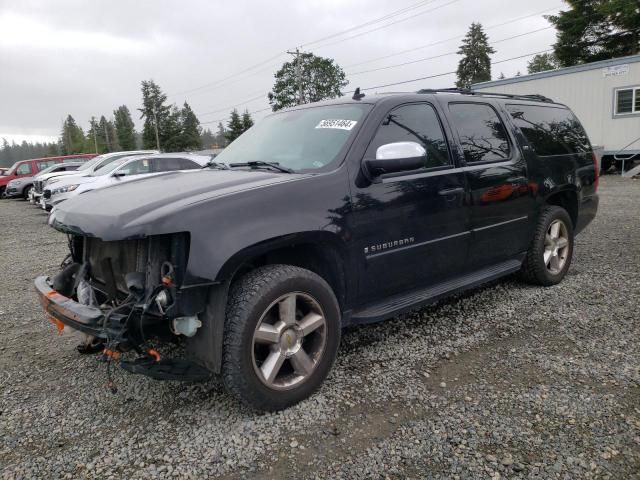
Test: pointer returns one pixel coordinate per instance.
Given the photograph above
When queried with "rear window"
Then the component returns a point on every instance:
(550, 130)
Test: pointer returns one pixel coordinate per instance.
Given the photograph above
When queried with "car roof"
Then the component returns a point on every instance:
(426, 94)
(200, 159)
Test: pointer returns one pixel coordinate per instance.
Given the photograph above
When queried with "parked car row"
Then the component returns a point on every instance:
(344, 212)
(62, 181)
(21, 173)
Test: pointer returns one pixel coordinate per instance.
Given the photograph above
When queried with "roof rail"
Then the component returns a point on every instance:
(466, 91)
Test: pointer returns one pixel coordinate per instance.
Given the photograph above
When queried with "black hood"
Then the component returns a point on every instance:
(126, 208)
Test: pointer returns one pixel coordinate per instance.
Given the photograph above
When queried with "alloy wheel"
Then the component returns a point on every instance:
(556, 247)
(289, 341)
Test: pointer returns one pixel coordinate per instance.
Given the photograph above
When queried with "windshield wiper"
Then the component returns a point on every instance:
(216, 165)
(258, 163)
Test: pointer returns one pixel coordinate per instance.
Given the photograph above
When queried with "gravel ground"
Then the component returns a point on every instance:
(507, 381)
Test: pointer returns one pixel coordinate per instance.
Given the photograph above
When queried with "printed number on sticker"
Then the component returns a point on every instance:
(336, 123)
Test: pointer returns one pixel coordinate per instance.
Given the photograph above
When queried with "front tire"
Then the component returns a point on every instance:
(27, 191)
(282, 332)
(551, 249)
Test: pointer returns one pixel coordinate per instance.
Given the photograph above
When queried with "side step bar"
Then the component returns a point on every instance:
(418, 298)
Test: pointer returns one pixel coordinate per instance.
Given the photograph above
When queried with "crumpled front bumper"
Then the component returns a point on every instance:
(85, 318)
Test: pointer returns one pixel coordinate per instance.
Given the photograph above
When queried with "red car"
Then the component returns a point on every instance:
(29, 168)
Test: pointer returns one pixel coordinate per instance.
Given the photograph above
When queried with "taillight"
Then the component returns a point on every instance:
(596, 169)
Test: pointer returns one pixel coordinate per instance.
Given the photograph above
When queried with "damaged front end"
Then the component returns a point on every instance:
(127, 296)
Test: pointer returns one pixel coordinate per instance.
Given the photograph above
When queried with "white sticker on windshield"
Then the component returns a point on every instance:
(337, 123)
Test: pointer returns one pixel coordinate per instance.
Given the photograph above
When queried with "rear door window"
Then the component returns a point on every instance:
(550, 130)
(482, 134)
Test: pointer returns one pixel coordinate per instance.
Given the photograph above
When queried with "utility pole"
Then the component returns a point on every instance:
(95, 136)
(155, 124)
(298, 74)
(106, 136)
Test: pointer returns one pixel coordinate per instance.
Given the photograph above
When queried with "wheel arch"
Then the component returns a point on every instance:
(567, 199)
(321, 252)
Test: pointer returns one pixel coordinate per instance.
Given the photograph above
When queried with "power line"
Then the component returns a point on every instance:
(225, 118)
(221, 80)
(443, 54)
(236, 105)
(452, 72)
(280, 54)
(450, 39)
(370, 22)
(387, 25)
(403, 82)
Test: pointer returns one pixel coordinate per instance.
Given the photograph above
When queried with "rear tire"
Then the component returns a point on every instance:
(551, 249)
(282, 332)
(27, 191)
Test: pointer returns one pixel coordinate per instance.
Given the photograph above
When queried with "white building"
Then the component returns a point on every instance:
(604, 95)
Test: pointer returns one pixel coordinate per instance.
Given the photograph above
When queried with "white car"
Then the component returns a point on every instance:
(86, 169)
(118, 171)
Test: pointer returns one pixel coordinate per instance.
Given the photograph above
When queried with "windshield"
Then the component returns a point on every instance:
(306, 139)
(91, 163)
(110, 167)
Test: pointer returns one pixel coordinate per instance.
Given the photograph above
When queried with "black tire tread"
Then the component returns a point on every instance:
(242, 295)
(532, 271)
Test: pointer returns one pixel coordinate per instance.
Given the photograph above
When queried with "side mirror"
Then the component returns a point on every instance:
(396, 157)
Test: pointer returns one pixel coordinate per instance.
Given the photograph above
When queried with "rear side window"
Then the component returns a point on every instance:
(550, 130)
(482, 134)
(414, 123)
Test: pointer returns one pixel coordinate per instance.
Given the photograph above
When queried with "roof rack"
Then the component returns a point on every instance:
(466, 91)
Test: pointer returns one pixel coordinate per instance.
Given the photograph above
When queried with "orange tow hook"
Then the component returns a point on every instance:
(111, 354)
(59, 325)
(153, 353)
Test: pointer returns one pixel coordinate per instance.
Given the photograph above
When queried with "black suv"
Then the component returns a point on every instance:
(326, 215)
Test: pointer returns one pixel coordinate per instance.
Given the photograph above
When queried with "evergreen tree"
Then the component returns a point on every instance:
(475, 64)
(321, 79)
(125, 129)
(247, 121)
(221, 136)
(72, 137)
(91, 142)
(593, 30)
(235, 127)
(107, 135)
(154, 111)
(171, 132)
(501, 76)
(207, 138)
(542, 62)
(191, 130)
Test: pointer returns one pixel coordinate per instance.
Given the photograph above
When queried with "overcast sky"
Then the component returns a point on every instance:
(88, 57)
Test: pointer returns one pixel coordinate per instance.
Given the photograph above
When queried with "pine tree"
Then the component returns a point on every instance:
(207, 138)
(91, 141)
(154, 111)
(72, 137)
(191, 130)
(171, 131)
(475, 65)
(247, 121)
(235, 127)
(221, 136)
(593, 30)
(125, 129)
(107, 135)
(542, 62)
(321, 79)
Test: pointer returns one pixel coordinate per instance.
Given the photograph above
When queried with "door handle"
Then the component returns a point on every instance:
(449, 192)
